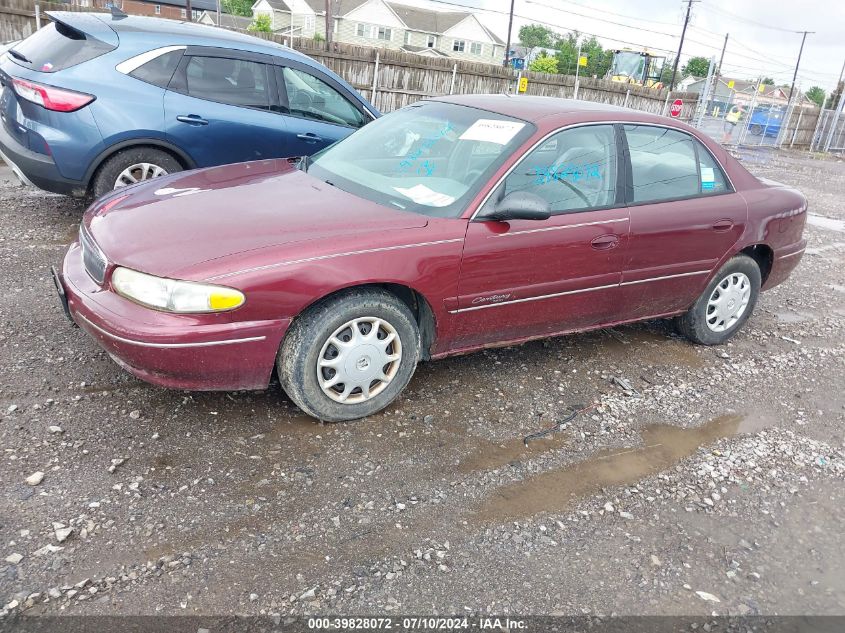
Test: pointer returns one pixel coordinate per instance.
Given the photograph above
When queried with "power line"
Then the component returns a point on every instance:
(718, 9)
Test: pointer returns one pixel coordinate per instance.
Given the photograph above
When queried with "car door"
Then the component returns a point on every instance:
(318, 110)
(222, 107)
(685, 217)
(526, 278)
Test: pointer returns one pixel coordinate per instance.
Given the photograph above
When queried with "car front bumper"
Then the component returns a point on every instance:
(178, 351)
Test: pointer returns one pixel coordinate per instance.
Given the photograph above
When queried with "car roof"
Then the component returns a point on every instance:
(533, 108)
(193, 33)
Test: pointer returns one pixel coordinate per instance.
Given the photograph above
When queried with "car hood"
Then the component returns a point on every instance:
(179, 221)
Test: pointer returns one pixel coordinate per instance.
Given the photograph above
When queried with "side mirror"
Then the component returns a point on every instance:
(520, 205)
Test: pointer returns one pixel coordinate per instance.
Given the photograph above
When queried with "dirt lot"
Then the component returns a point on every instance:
(714, 484)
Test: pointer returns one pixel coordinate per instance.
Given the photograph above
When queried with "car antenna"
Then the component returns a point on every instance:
(117, 14)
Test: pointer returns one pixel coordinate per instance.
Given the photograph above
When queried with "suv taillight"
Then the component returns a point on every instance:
(49, 97)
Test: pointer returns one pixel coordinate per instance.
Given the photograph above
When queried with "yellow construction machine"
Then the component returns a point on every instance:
(639, 68)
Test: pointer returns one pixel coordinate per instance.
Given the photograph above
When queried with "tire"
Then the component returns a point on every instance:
(708, 324)
(107, 174)
(756, 129)
(307, 340)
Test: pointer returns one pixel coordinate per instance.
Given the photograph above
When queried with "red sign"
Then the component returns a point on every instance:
(676, 107)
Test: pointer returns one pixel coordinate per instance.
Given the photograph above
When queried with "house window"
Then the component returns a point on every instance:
(184, 13)
(475, 48)
(384, 33)
(432, 41)
(407, 37)
(363, 30)
(309, 22)
(158, 9)
(458, 46)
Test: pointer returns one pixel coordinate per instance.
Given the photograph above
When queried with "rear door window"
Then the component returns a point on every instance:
(664, 165)
(235, 82)
(56, 47)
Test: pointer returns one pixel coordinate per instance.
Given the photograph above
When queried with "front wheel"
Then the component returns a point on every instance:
(756, 129)
(725, 304)
(349, 356)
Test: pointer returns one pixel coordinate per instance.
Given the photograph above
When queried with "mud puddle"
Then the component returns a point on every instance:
(650, 348)
(663, 446)
(497, 454)
(830, 224)
(795, 316)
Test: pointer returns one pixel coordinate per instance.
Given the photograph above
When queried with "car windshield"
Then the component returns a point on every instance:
(430, 158)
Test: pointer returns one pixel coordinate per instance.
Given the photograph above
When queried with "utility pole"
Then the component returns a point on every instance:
(798, 63)
(722, 56)
(681, 45)
(329, 23)
(188, 12)
(718, 72)
(508, 46)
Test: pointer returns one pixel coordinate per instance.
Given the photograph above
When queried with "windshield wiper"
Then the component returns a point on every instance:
(19, 56)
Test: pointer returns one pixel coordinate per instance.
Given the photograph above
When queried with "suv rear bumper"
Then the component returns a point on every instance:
(34, 169)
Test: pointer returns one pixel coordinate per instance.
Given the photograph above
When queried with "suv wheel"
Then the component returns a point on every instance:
(350, 356)
(133, 165)
(725, 304)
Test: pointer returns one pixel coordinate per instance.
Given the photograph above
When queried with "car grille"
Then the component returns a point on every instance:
(92, 257)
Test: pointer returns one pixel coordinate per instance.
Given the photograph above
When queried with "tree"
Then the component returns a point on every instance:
(261, 23)
(833, 99)
(598, 59)
(534, 35)
(816, 95)
(697, 67)
(238, 7)
(768, 81)
(544, 64)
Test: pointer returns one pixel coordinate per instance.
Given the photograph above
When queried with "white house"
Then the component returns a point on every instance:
(428, 32)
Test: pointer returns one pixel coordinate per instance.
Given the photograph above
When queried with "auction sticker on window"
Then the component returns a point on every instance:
(425, 196)
(492, 131)
(708, 178)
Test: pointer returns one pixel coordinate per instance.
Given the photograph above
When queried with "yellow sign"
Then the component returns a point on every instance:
(761, 88)
(582, 61)
(523, 84)
(731, 84)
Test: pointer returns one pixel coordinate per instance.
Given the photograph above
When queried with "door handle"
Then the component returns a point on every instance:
(309, 137)
(723, 225)
(191, 119)
(605, 242)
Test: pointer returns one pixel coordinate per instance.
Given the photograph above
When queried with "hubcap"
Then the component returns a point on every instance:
(728, 302)
(137, 173)
(359, 360)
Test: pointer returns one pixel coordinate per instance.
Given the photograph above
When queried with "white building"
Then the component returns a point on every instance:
(427, 32)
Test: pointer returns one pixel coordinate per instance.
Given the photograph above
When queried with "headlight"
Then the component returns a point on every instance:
(173, 295)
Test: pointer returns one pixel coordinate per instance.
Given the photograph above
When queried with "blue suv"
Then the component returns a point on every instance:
(92, 102)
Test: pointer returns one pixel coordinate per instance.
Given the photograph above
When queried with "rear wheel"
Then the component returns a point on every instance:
(133, 165)
(725, 304)
(350, 356)
(756, 129)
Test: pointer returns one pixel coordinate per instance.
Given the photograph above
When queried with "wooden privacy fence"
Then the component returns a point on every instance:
(401, 78)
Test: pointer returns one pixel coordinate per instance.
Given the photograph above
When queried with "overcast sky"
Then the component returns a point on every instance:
(754, 48)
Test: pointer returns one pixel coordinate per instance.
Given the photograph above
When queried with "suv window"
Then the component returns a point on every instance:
(56, 47)
(573, 170)
(158, 71)
(233, 81)
(664, 165)
(312, 98)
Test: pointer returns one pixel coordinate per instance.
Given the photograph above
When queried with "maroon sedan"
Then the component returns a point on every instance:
(448, 226)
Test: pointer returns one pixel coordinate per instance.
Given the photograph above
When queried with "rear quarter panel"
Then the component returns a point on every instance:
(777, 215)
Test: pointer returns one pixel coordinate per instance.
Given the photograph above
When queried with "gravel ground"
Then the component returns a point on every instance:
(700, 480)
